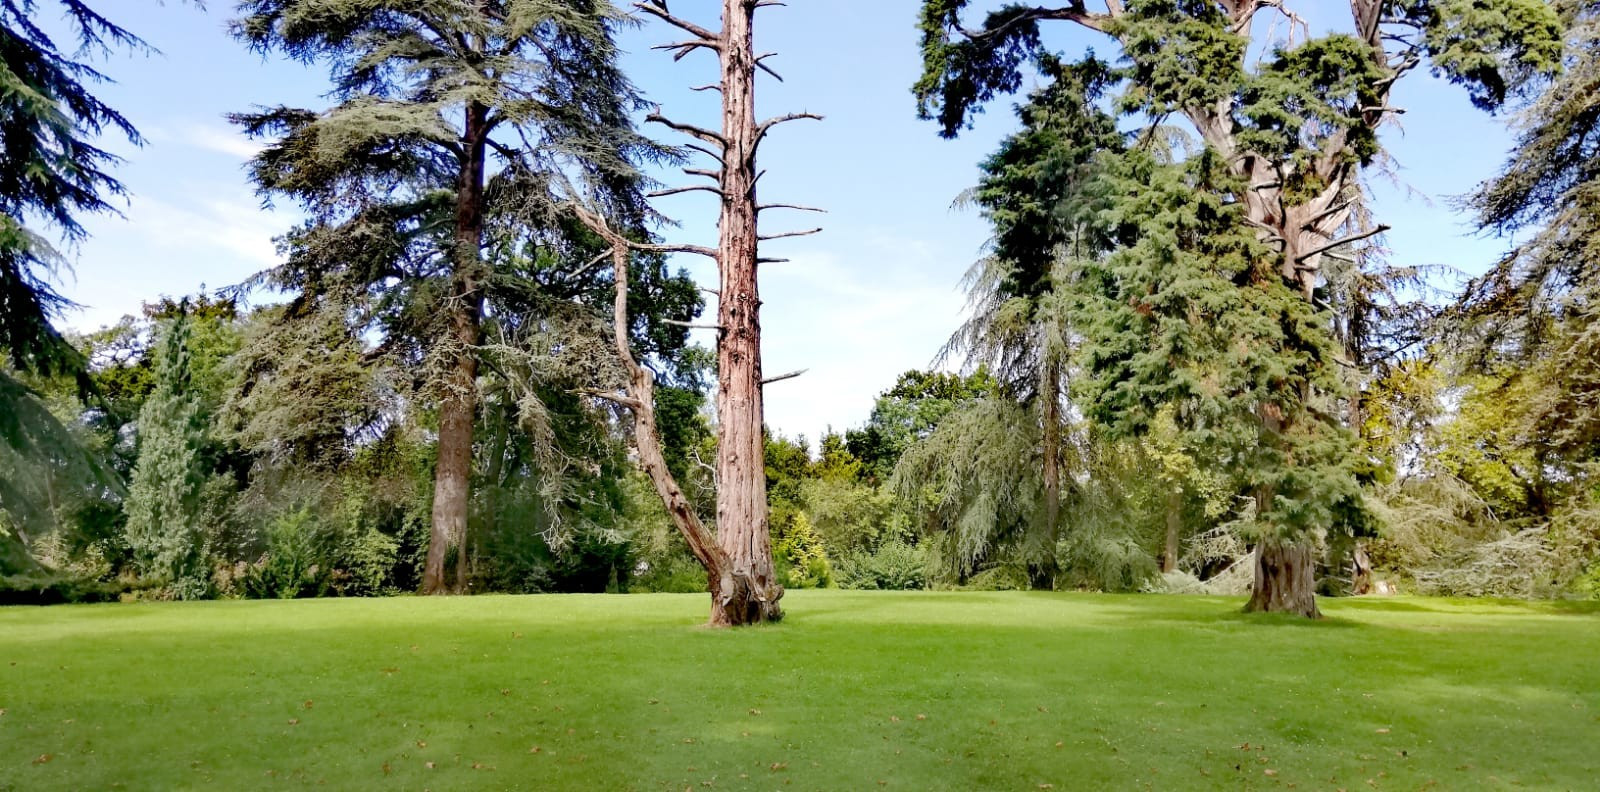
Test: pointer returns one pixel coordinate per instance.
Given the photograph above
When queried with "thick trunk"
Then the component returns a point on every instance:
(452, 476)
(1169, 552)
(747, 591)
(1043, 572)
(1285, 579)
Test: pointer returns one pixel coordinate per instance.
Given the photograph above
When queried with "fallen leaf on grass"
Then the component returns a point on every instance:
(422, 744)
(43, 758)
(776, 766)
(309, 703)
(1383, 731)
(535, 749)
(1059, 743)
(1269, 772)
(1047, 786)
(920, 716)
(428, 765)
(387, 769)
(294, 721)
(754, 711)
(894, 718)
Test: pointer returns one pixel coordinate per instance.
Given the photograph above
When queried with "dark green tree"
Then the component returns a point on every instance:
(1286, 135)
(452, 127)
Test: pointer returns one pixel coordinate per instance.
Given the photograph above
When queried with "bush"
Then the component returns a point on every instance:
(56, 590)
(294, 565)
(672, 574)
(896, 566)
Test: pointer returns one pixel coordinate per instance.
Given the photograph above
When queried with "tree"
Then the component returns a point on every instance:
(51, 174)
(163, 498)
(453, 124)
(1285, 144)
(1532, 319)
(744, 588)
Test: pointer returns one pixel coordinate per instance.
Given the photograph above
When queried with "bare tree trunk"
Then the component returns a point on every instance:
(742, 529)
(1285, 579)
(732, 593)
(452, 476)
(1169, 552)
(1043, 573)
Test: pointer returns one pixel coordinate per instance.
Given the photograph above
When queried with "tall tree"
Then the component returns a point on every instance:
(163, 499)
(1287, 135)
(744, 588)
(447, 115)
(1018, 327)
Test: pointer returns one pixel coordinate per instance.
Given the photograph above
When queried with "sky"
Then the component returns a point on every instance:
(876, 294)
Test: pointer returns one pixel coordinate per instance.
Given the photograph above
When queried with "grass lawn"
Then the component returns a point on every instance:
(855, 690)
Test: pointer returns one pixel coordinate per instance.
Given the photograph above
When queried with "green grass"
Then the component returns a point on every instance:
(854, 690)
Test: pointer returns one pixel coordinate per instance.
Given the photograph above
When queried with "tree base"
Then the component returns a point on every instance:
(1285, 580)
(739, 601)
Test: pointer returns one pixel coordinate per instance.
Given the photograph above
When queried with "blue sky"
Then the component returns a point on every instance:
(876, 294)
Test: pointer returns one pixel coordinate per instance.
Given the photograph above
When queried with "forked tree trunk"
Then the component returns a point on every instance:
(458, 403)
(738, 562)
(1285, 579)
(749, 589)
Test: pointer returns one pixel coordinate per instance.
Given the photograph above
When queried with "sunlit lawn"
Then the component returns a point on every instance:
(854, 690)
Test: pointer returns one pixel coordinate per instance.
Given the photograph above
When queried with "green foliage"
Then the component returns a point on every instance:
(800, 557)
(894, 566)
(53, 171)
(164, 497)
(910, 411)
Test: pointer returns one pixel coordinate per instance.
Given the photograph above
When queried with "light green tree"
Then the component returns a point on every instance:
(163, 499)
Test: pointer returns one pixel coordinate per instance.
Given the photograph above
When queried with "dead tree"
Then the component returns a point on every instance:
(744, 588)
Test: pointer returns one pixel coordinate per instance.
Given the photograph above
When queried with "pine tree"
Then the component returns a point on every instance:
(1286, 137)
(163, 499)
(454, 126)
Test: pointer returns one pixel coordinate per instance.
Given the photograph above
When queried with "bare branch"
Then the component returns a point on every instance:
(781, 377)
(1337, 243)
(788, 234)
(764, 67)
(658, 8)
(619, 399)
(766, 126)
(764, 207)
(772, 261)
(691, 325)
(683, 48)
(679, 190)
(688, 129)
(714, 175)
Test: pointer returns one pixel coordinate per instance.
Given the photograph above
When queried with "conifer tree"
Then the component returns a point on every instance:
(451, 125)
(1286, 137)
(163, 499)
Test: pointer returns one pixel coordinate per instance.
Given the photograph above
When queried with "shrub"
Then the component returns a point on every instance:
(895, 566)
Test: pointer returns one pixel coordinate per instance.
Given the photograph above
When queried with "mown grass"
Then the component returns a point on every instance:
(854, 690)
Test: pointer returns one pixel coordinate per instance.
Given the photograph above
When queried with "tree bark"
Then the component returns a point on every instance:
(452, 476)
(1174, 507)
(1285, 579)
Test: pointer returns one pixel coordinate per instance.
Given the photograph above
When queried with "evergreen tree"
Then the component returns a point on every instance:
(1286, 137)
(453, 126)
(163, 499)
(51, 173)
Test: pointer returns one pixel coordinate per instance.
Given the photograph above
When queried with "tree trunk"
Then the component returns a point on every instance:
(1285, 579)
(748, 592)
(1042, 573)
(1169, 552)
(458, 402)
